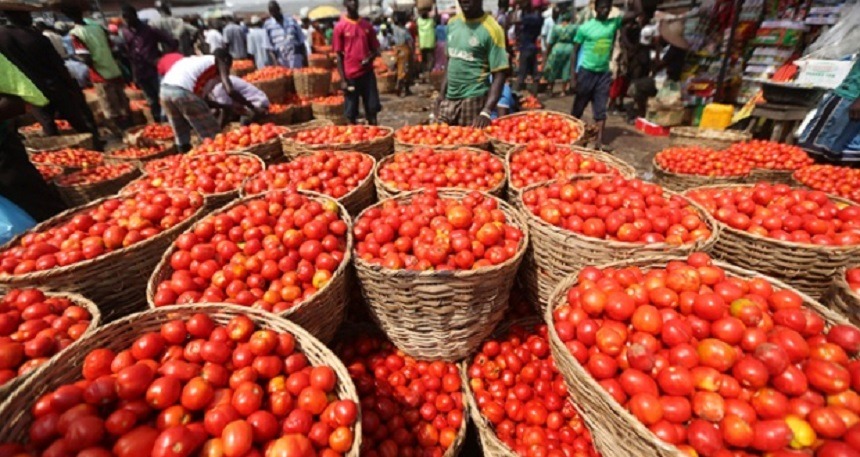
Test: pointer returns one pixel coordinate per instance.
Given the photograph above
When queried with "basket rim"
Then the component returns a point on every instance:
(289, 136)
(690, 132)
(69, 168)
(398, 141)
(547, 112)
(11, 279)
(206, 196)
(740, 178)
(341, 270)
(243, 193)
(389, 158)
(559, 295)
(262, 319)
(134, 169)
(774, 242)
(509, 210)
(706, 217)
(840, 281)
(627, 172)
(74, 137)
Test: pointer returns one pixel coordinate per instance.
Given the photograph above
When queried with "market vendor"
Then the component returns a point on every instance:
(834, 132)
(476, 49)
(184, 89)
(256, 102)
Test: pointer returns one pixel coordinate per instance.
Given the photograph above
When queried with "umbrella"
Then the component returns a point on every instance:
(324, 12)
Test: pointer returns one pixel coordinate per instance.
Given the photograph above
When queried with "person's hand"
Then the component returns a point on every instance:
(481, 122)
(854, 110)
(365, 61)
(344, 85)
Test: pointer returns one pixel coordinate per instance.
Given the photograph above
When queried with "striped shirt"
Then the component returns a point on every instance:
(287, 40)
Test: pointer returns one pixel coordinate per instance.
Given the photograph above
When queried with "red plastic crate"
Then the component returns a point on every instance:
(650, 128)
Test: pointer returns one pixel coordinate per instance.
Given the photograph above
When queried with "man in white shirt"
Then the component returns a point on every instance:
(258, 43)
(184, 90)
(234, 39)
(213, 37)
(258, 102)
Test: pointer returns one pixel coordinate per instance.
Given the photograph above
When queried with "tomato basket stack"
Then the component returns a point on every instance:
(111, 279)
(137, 136)
(601, 403)
(70, 159)
(78, 189)
(268, 150)
(403, 140)
(130, 335)
(354, 200)
(312, 82)
(434, 313)
(807, 266)
(680, 182)
(275, 82)
(389, 189)
(9, 386)
(378, 147)
(35, 130)
(556, 251)
(329, 107)
(502, 146)
(320, 313)
(614, 165)
(50, 143)
(842, 297)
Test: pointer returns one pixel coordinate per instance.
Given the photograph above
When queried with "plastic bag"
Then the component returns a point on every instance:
(843, 39)
(13, 220)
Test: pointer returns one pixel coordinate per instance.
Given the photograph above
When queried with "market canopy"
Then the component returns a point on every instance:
(324, 12)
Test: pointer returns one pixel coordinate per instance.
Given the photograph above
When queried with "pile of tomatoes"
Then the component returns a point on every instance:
(136, 153)
(277, 108)
(242, 137)
(408, 407)
(852, 276)
(519, 390)
(617, 209)
(242, 64)
(95, 175)
(780, 212)
(49, 172)
(114, 224)
(332, 173)
(340, 134)
(209, 173)
(170, 161)
(541, 160)
(769, 155)
(272, 252)
(535, 126)
(34, 327)
(712, 363)
(331, 100)
(530, 102)
(440, 135)
(69, 157)
(433, 232)
(36, 127)
(460, 168)
(694, 160)
(833, 179)
(194, 387)
(160, 132)
(267, 74)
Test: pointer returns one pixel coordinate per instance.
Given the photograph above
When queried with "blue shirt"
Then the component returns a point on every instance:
(441, 33)
(505, 101)
(287, 40)
(530, 28)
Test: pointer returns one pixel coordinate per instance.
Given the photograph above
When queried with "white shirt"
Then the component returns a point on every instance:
(214, 39)
(197, 74)
(249, 91)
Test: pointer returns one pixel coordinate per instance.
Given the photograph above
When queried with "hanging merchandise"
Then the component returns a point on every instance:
(842, 40)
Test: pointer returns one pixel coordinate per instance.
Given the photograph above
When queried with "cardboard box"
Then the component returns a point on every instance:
(827, 74)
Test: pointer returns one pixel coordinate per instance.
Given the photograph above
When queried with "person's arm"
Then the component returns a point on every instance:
(270, 49)
(374, 49)
(493, 97)
(343, 82)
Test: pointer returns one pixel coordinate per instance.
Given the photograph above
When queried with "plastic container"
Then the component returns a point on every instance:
(717, 116)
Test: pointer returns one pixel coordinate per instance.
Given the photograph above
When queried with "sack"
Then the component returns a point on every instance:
(13, 220)
(669, 94)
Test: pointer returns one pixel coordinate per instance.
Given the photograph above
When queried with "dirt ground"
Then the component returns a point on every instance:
(629, 145)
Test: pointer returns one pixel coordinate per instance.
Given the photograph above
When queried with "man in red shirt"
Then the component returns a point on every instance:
(356, 46)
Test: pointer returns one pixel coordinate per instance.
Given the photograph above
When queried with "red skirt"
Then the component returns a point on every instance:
(618, 87)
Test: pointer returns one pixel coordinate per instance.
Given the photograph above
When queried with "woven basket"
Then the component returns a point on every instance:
(327, 111)
(624, 169)
(606, 419)
(240, 72)
(386, 83)
(556, 252)
(115, 280)
(121, 334)
(378, 148)
(321, 315)
(78, 195)
(276, 89)
(312, 85)
(679, 182)
(50, 143)
(133, 137)
(840, 298)
(302, 114)
(490, 443)
(400, 146)
(7, 389)
(706, 138)
(269, 152)
(807, 267)
(501, 147)
(771, 176)
(283, 118)
(384, 191)
(31, 134)
(166, 151)
(440, 314)
(321, 61)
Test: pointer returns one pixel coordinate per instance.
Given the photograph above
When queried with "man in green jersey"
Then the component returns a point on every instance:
(596, 38)
(476, 50)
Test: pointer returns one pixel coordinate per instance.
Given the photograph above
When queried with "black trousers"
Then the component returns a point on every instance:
(71, 106)
(21, 183)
